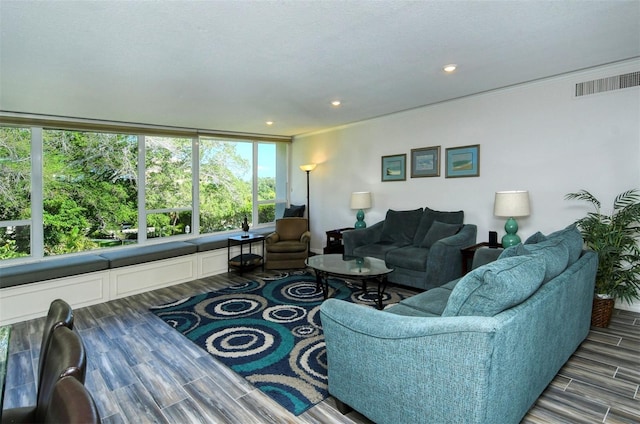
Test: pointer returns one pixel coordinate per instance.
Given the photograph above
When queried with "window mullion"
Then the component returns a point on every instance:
(142, 206)
(195, 186)
(254, 192)
(37, 196)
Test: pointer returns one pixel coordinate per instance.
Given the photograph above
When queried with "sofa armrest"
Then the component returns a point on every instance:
(360, 237)
(388, 366)
(445, 259)
(305, 237)
(485, 255)
(272, 238)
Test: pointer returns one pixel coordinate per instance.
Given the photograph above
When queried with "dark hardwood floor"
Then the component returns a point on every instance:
(140, 371)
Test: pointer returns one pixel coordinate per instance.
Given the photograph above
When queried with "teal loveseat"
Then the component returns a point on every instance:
(422, 245)
(480, 349)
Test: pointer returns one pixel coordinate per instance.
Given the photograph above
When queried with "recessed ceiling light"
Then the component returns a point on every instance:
(449, 68)
(336, 103)
(269, 123)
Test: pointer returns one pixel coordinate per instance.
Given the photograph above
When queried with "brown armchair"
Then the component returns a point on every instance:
(288, 246)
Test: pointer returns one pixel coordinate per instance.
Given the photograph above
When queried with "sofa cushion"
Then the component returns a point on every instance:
(553, 252)
(153, 252)
(535, 238)
(408, 257)
(497, 286)
(400, 309)
(211, 242)
(569, 235)
(59, 267)
(431, 302)
(438, 231)
(286, 246)
(451, 284)
(377, 250)
(572, 238)
(400, 226)
(429, 216)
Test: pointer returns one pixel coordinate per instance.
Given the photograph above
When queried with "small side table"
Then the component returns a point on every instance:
(334, 241)
(467, 255)
(244, 261)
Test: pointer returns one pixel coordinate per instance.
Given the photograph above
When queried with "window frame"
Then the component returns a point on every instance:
(38, 125)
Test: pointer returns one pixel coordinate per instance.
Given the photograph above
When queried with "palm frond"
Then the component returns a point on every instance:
(615, 238)
(584, 195)
(625, 199)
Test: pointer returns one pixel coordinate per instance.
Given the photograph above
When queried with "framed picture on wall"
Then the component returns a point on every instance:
(425, 162)
(394, 167)
(463, 161)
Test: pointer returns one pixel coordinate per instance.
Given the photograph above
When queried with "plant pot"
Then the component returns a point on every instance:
(602, 311)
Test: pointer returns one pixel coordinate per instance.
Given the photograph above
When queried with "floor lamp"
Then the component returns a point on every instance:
(308, 168)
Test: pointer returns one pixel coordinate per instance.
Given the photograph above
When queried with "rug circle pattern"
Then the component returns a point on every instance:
(268, 331)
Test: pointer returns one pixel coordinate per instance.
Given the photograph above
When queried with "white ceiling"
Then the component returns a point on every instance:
(232, 65)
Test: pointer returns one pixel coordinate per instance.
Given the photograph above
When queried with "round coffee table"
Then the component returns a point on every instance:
(362, 269)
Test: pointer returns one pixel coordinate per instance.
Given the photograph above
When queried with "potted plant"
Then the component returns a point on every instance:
(614, 238)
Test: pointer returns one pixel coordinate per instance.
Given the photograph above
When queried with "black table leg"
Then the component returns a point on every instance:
(322, 285)
(382, 285)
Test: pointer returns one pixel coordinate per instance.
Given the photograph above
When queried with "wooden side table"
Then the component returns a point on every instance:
(334, 241)
(244, 261)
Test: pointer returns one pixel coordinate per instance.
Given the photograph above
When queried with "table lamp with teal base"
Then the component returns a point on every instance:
(511, 204)
(360, 200)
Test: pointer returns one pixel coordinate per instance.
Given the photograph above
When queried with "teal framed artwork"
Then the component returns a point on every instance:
(425, 162)
(394, 167)
(463, 161)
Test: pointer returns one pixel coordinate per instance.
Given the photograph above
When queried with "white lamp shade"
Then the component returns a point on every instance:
(511, 203)
(360, 200)
(308, 167)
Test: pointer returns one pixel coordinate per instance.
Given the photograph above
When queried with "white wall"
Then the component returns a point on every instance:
(534, 136)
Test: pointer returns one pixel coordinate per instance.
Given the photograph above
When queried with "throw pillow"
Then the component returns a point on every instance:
(495, 287)
(572, 238)
(554, 253)
(294, 211)
(509, 252)
(400, 226)
(535, 238)
(429, 216)
(438, 231)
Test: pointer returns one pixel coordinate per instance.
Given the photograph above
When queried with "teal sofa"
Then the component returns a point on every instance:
(422, 245)
(480, 349)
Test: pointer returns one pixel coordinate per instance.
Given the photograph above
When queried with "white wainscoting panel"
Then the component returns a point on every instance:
(135, 279)
(212, 262)
(32, 300)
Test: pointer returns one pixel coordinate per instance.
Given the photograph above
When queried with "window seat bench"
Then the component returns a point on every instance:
(26, 289)
(154, 252)
(26, 273)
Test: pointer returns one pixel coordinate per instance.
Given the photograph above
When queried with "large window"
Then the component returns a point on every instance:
(271, 171)
(15, 188)
(240, 179)
(225, 184)
(88, 190)
(168, 187)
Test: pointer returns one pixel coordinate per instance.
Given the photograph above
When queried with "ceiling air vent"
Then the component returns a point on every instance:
(608, 84)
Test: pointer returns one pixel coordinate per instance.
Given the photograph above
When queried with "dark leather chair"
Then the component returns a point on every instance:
(71, 403)
(65, 357)
(288, 246)
(60, 313)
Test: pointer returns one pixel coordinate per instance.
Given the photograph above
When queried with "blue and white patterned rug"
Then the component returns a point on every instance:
(269, 332)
